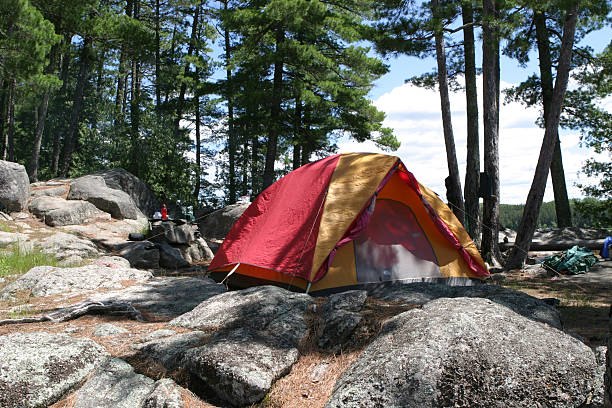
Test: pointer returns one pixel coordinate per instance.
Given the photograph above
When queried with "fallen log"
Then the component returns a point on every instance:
(78, 310)
(556, 245)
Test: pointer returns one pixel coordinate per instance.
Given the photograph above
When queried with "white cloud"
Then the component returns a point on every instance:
(414, 115)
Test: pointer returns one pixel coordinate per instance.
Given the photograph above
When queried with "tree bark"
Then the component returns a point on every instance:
(181, 97)
(297, 130)
(40, 123)
(65, 65)
(198, 146)
(71, 136)
(271, 145)
(472, 171)
(562, 206)
(231, 137)
(9, 146)
(157, 61)
(4, 116)
(490, 231)
(453, 187)
(536, 192)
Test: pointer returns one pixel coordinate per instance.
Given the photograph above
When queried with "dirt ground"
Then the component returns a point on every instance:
(584, 300)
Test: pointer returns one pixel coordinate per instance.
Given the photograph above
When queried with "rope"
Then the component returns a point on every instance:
(483, 225)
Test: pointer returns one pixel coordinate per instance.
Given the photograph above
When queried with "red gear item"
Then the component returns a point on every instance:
(164, 212)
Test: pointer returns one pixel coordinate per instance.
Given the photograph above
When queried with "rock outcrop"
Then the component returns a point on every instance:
(114, 385)
(218, 223)
(421, 293)
(38, 369)
(57, 212)
(241, 365)
(267, 309)
(44, 281)
(14, 186)
(469, 351)
(138, 190)
(115, 202)
(165, 297)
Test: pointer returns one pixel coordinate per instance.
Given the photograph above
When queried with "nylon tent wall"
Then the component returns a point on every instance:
(344, 221)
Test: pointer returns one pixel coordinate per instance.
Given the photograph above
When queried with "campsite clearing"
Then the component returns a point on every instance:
(584, 300)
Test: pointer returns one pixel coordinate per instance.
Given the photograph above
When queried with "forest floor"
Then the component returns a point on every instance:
(584, 300)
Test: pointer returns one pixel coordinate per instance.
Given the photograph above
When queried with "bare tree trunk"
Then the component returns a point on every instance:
(562, 206)
(472, 171)
(245, 166)
(42, 116)
(198, 146)
(453, 185)
(271, 145)
(231, 137)
(536, 192)
(4, 117)
(65, 65)
(71, 136)
(297, 130)
(181, 97)
(9, 146)
(490, 230)
(157, 60)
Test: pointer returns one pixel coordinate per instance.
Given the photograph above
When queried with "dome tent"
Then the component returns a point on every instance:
(346, 221)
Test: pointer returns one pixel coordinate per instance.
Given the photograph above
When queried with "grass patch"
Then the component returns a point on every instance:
(5, 227)
(16, 260)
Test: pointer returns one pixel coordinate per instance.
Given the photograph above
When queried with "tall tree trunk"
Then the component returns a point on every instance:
(135, 145)
(453, 186)
(490, 57)
(9, 144)
(71, 136)
(120, 95)
(42, 116)
(306, 138)
(562, 206)
(472, 171)
(157, 61)
(4, 115)
(536, 192)
(63, 96)
(271, 145)
(231, 137)
(245, 167)
(198, 146)
(297, 130)
(255, 186)
(181, 97)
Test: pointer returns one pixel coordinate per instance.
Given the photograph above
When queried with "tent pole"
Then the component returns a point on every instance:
(308, 287)
(232, 271)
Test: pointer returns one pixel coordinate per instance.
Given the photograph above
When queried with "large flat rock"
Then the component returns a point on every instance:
(240, 366)
(218, 223)
(57, 212)
(115, 202)
(44, 281)
(67, 247)
(166, 297)
(37, 369)
(267, 309)
(421, 293)
(114, 385)
(468, 352)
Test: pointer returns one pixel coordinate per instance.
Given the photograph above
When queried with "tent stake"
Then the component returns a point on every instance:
(232, 271)
(308, 287)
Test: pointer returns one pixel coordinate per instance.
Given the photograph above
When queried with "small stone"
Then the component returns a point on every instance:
(107, 330)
